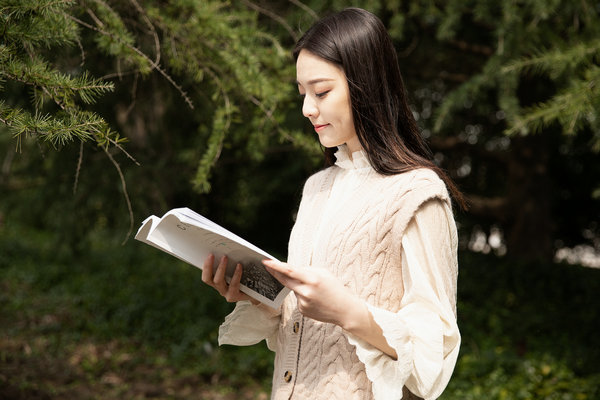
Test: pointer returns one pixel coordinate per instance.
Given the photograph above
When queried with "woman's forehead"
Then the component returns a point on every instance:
(312, 69)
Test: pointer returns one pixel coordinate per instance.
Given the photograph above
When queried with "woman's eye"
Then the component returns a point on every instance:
(322, 94)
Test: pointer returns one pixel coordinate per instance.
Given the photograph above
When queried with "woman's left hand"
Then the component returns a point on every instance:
(321, 296)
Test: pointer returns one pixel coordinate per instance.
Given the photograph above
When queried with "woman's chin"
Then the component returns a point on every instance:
(325, 142)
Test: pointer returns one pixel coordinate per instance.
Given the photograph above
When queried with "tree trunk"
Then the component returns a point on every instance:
(529, 227)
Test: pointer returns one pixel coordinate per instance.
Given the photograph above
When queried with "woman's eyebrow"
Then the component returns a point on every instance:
(317, 80)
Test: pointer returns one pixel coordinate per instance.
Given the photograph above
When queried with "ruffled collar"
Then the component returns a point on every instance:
(358, 159)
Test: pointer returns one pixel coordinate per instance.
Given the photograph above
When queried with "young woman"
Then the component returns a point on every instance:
(372, 256)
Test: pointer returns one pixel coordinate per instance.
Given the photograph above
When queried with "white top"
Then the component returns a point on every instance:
(424, 332)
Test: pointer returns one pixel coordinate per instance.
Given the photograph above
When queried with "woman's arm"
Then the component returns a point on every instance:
(424, 331)
(360, 322)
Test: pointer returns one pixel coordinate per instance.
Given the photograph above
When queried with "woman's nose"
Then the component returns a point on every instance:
(309, 108)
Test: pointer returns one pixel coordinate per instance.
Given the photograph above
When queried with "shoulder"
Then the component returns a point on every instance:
(421, 180)
(419, 177)
(418, 194)
(407, 192)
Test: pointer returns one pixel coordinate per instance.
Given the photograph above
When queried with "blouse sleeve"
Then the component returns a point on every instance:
(424, 332)
(249, 324)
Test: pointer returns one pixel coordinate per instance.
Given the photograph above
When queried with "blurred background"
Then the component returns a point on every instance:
(113, 110)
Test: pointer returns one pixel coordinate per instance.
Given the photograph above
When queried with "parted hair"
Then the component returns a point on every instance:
(358, 42)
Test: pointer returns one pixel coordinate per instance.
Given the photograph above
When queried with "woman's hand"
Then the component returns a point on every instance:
(216, 279)
(321, 296)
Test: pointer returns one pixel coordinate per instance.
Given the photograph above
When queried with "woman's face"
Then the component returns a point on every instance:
(326, 100)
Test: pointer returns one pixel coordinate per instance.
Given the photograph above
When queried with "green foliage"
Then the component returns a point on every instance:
(188, 84)
(114, 39)
(500, 374)
(248, 71)
(30, 27)
(506, 92)
(556, 39)
(37, 23)
(527, 331)
(201, 90)
(59, 130)
(575, 105)
(215, 56)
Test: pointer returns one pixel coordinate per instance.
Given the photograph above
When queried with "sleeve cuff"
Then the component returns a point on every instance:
(420, 353)
(384, 372)
(248, 324)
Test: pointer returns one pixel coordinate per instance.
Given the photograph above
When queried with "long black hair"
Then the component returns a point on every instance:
(357, 41)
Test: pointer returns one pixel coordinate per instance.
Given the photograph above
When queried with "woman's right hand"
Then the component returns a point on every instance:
(216, 279)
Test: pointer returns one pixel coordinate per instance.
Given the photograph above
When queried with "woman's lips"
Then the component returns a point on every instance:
(318, 128)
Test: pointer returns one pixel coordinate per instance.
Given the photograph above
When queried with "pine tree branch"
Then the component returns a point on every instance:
(125, 193)
(140, 53)
(567, 107)
(119, 74)
(468, 91)
(558, 60)
(471, 47)
(57, 86)
(221, 123)
(151, 27)
(116, 144)
(34, 24)
(274, 17)
(79, 163)
(40, 6)
(306, 8)
(57, 131)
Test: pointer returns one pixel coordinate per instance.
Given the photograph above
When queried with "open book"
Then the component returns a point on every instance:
(191, 237)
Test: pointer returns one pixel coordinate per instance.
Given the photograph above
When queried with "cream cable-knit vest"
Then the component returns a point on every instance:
(361, 245)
